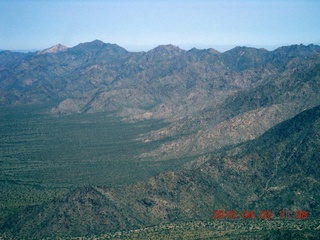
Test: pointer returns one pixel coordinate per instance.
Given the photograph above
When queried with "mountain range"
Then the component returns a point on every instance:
(249, 119)
(212, 99)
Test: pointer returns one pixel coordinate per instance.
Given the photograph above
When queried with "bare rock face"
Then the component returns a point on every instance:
(54, 49)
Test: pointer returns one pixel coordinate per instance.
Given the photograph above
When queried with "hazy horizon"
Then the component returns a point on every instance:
(143, 25)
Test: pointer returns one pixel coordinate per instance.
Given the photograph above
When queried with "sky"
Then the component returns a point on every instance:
(144, 24)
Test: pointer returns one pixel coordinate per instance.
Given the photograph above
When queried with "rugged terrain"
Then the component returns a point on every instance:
(212, 99)
(278, 170)
(243, 124)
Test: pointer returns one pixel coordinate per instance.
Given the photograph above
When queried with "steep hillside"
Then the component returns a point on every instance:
(245, 114)
(276, 171)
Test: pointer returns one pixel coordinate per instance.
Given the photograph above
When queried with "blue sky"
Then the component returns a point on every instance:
(142, 25)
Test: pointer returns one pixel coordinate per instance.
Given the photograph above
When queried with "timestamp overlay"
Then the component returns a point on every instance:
(271, 224)
(262, 214)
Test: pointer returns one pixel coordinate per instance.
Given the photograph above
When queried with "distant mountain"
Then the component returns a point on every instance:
(278, 170)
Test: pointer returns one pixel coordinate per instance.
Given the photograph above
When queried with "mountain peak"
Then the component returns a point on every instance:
(167, 51)
(98, 45)
(168, 48)
(97, 41)
(213, 51)
(54, 49)
(94, 45)
(242, 58)
(243, 49)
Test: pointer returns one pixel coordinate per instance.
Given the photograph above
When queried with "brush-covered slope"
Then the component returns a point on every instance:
(278, 170)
